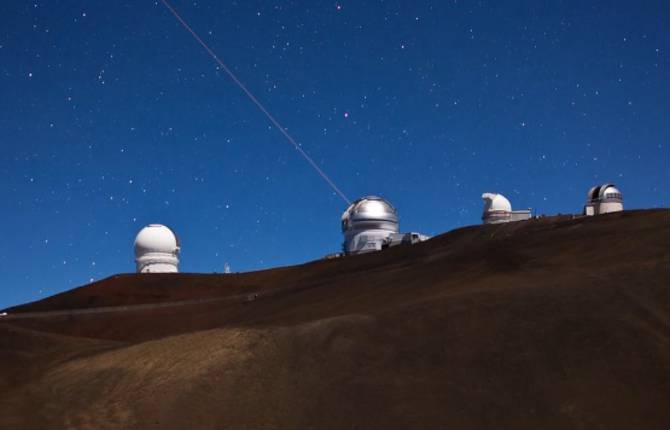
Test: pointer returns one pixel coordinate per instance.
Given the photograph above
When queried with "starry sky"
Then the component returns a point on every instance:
(113, 117)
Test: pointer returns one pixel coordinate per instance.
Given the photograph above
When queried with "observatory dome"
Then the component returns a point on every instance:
(602, 192)
(368, 224)
(370, 210)
(498, 209)
(156, 249)
(603, 199)
(496, 203)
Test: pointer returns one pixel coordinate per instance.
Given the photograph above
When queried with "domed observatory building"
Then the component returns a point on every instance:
(603, 199)
(497, 209)
(371, 224)
(156, 250)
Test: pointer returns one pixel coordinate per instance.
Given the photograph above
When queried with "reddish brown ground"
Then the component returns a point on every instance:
(551, 323)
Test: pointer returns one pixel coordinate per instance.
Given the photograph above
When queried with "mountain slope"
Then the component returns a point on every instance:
(550, 323)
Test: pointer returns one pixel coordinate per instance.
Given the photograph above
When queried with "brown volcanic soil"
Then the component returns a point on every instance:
(550, 323)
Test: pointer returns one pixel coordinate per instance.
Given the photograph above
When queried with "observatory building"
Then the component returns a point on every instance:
(371, 224)
(156, 250)
(603, 199)
(497, 209)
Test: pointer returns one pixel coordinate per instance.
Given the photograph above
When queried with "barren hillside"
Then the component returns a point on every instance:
(549, 323)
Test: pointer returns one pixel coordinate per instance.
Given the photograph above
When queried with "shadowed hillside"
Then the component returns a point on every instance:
(549, 323)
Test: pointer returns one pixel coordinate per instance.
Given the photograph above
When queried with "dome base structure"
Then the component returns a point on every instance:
(607, 207)
(366, 241)
(157, 264)
(496, 217)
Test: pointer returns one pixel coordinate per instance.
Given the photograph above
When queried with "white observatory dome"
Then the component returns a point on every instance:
(497, 208)
(603, 199)
(367, 224)
(156, 250)
(496, 202)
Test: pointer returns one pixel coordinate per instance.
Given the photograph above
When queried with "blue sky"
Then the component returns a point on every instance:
(112, 117)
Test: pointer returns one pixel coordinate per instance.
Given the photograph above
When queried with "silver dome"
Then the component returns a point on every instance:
(370, 212)
(369, 224)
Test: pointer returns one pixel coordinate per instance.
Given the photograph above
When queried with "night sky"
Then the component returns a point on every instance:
(113, 117)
